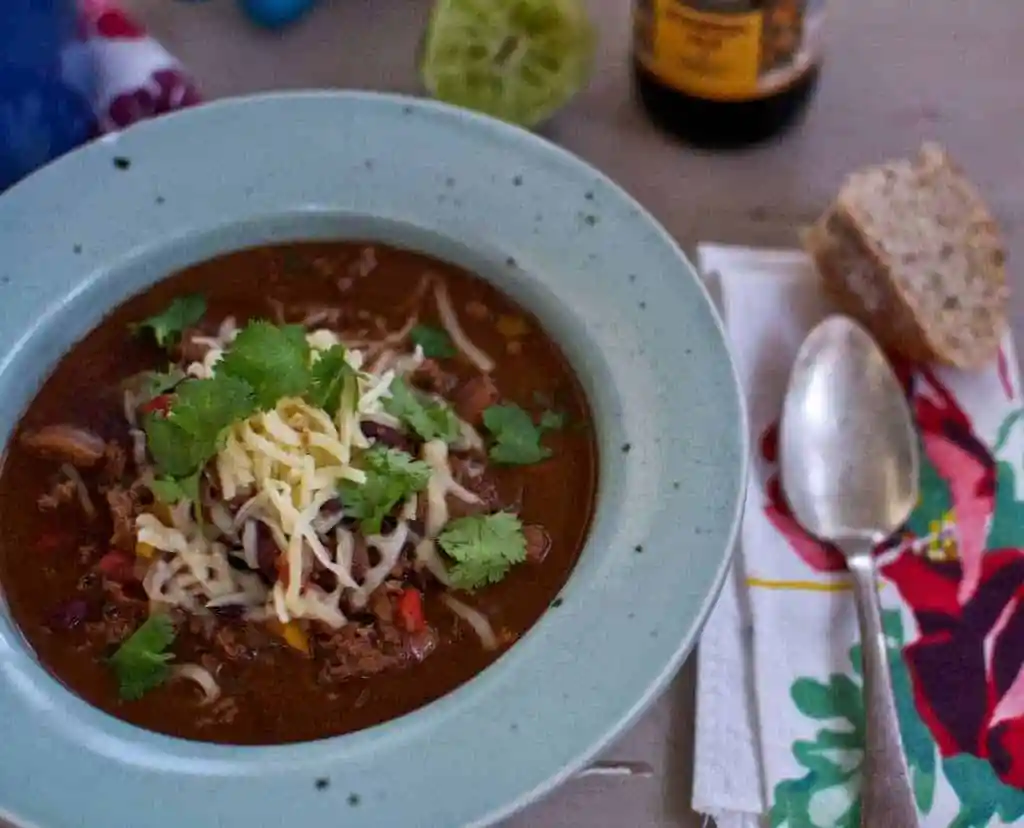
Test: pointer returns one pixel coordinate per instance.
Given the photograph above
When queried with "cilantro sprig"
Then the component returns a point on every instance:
(435, 342)
(484, 548)
(140, 663)
(391, 476)
(516, 439)
(167, 327)
(430, 419)
(332, 381)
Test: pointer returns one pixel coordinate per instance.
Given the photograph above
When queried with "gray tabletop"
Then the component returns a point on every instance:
(896, 74)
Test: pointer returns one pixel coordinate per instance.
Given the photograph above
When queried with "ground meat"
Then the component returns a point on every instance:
(228, 639)
(204, 626)
(388, 436)
(357, 650)
(76, 445)
(61, 493)
(433, 379)
(115, 460)
(421, 644)
(189, 349)
(223, 711)
(474, 397)
(380, 605)
(124, 506)
(209, 662)
(86, 555)
(538, 542)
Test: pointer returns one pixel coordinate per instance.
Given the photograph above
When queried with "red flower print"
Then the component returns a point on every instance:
(107, 20)
(966, 466)
(967, 665)
(167, 90)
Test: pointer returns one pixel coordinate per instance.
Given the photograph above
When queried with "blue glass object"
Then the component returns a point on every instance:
(47, 80)
(275, 14)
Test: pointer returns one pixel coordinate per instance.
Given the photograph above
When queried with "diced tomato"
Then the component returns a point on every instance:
(117, 566)
(158, 405)
(410, 610)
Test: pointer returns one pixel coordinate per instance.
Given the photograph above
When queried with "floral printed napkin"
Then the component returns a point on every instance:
(137, 77)
(780, 714)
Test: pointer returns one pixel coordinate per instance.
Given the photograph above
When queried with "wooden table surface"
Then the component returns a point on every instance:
(896, 74)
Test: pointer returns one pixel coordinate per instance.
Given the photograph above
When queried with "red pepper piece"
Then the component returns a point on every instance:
(410, 610)
(160, 404)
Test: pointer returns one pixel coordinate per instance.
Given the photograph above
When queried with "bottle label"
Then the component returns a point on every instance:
(728, 50)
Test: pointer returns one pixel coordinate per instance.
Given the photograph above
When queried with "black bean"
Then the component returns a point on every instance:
(388, 436)
(267, 553)
(70, 614)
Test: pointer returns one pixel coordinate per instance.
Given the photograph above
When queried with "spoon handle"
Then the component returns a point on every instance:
(886, 797)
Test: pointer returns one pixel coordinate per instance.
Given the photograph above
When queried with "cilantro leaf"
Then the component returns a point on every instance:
(140, 663)
(484, 548)
(205, 407)
(175, 451)
(182, 313)
(431, 420)
(391, 476)
(552, 420)
(171, 490)
(330, 376)
(516, 438)
(273, 360)
(435, 342)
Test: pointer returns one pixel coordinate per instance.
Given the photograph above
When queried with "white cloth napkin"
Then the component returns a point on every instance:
(779, 716)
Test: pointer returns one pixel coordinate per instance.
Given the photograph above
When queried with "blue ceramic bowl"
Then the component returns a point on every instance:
(47, 81)
(606, 281)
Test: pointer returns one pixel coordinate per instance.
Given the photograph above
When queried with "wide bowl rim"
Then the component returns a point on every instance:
(273, 755)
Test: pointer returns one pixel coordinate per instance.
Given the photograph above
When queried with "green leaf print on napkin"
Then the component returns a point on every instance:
(982, 795)
(1007, 528)
(826, 795)
(933, 503)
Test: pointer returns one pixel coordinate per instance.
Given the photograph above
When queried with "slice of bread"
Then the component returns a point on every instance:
(910, 249)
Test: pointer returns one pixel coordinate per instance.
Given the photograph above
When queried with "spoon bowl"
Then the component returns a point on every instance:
(849, 458)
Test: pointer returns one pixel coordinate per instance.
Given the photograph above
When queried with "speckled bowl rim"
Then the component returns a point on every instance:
(604, 278)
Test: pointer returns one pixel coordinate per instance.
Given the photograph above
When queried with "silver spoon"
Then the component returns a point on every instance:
(849, 463)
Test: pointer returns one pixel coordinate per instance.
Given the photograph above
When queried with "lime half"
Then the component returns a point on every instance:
(518, 60)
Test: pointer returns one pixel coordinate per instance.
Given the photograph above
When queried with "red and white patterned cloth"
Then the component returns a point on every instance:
(136, 77)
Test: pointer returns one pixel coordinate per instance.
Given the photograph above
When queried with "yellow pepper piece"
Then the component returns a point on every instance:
(144, 550)
(293, 634)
